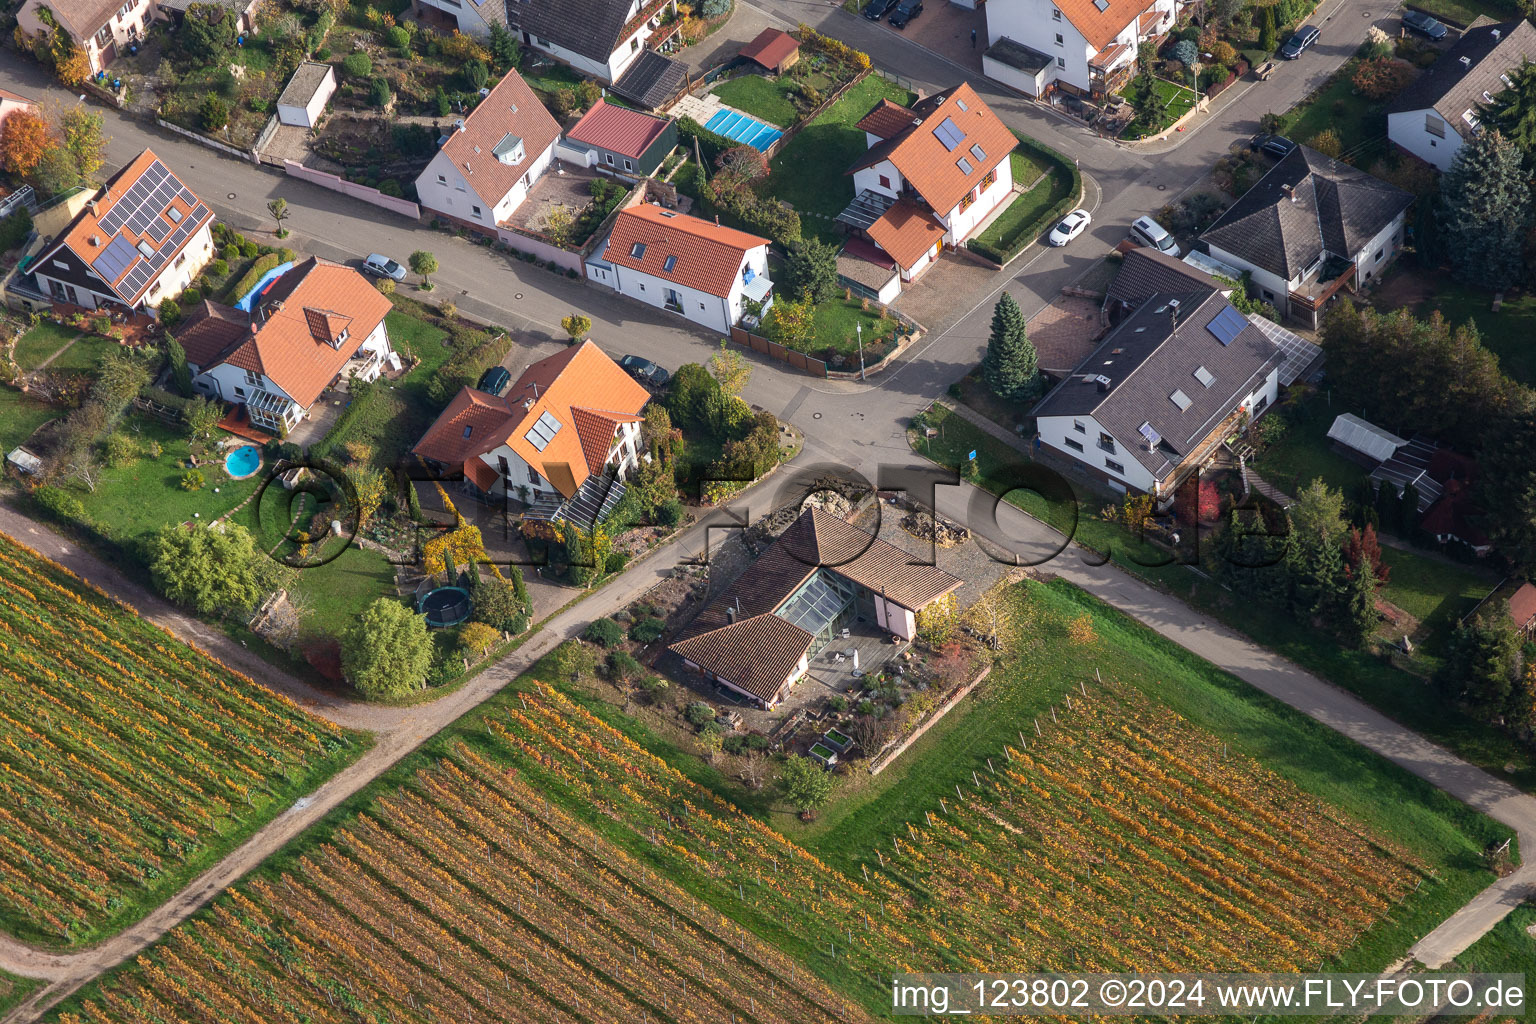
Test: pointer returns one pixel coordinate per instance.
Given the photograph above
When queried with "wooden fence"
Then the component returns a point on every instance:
(773, 350)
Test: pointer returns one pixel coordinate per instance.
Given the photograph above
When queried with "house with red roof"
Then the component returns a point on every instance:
(690, 266)
(620, 141)
(141, 238)
(491, 158)
(1086, 47)
(931, 176)
(1522, 608)
(317, 324)
(10, 102)
(562, 438)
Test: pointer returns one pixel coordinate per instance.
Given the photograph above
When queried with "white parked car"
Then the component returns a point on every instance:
(1072, 225)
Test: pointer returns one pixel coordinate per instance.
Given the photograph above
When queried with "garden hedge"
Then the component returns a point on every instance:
(711, 144)
(1029, 232)
(258, 270)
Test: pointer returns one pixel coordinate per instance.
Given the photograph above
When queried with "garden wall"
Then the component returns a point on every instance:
(799, 360)
(404, 207)
(211, 143)
(547, 251)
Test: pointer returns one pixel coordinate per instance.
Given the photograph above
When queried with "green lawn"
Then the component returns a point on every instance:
(1435, 592)
(836, 321)
(1305, 454)
(13, 990)
(1508, 949)
(1360, 124)
(1174, 101)
(134, 501)
(41, 342)
(1406, 696)
(1510, 333)
(20, 415)
(1026, 167)
(765, 99)
(1464, 12)
(809, 172)
(1025, 211)
(335, 594)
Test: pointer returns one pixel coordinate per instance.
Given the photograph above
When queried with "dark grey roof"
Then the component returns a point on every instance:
(1144, 272)
(1148, 358)
(1307, 204)
(1016, 55)
(306, 81)
(651, 80)
(592, 28)
(1456, 82)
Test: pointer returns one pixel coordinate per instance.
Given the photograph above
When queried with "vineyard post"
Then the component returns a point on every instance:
(1053, 712)
(958, 795)
(1083, 687)
(1037, 727)
(944, 806)
(990, 768)
(974, 780)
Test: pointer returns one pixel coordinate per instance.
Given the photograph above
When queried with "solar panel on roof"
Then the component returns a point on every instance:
(1226, 325)
(543, 432)
(949, 134)
(115, 259)
(1149, 432)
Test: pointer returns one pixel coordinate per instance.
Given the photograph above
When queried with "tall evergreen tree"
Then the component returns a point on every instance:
(181, 373)
(1513, 111)
(1484, 210)
(1011, 367)
(1481, 664)
(1360, 616)
(1507, 488)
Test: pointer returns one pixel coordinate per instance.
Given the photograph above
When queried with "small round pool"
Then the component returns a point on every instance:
(242, 462)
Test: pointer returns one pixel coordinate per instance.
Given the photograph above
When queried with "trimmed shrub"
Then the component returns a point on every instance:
(604, 633)
(258, 270)
(615, 562)
(699, 714)
(357, 65)
(647, 630)
(61, 505)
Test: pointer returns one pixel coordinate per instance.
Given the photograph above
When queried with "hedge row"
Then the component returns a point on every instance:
(259, 269)
(711, 144)
(466, 365)
(1027, 234)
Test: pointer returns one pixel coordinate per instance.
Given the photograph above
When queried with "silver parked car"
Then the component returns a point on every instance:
(383, 266)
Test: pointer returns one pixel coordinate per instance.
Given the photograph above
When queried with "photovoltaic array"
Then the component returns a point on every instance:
(146, 211)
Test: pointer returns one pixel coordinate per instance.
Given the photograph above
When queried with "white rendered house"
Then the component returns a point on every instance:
(1086, 46)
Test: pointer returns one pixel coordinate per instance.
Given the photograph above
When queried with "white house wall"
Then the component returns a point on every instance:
(124, 26)
(1029, 85)
(230, 384)
(445, 187)
(1271, 287)
(960, 224)
(869, 178)
(1373, 257)
(716, 312)
(1055, 431)
(171, 282)
(1407, 130)
(1032, 23)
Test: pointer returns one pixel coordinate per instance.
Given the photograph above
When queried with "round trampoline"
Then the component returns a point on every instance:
(445, 606)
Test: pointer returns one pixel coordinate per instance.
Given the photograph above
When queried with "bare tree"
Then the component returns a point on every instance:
(86, 469)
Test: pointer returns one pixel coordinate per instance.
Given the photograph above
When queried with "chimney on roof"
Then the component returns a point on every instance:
(1173, 313)
(1496, 35)
(1290, 192)
(1102, 383)
(1466, 62)
(91, 205)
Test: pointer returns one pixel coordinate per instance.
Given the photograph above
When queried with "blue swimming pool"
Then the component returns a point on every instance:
(243, 461)
(735, 125)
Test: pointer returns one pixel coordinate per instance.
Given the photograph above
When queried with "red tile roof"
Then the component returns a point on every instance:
(756, 655)
(621, 129)
(89, 239)
(290, 336)
(511, 109)
(887, 119)
(1100, 27)
(1522, 605)
(906, 231)
(931, 167)
(770, 48)
(586, 393)
(709, 256)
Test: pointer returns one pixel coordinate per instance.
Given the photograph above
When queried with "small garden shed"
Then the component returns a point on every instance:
(308, 91)
(773, 49)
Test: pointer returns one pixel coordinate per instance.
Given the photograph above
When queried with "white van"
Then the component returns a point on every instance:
(1148, 232)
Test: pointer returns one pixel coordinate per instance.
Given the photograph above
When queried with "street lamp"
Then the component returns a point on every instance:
(859, 328)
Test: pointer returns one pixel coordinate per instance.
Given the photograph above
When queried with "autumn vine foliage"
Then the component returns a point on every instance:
(1115, 841)
(123, 752)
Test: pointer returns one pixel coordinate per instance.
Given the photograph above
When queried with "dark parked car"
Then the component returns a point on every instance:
(905, 11)
(1424, 25)
(878, 9)
(645, 371)
(1271, 145)
(1304, 37)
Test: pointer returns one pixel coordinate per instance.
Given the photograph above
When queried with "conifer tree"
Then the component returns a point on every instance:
(1011, 367)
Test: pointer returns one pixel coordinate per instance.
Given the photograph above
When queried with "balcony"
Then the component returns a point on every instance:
(1320, 283)
(1111, 69)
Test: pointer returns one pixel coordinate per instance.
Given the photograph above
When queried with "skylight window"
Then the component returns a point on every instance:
(1508, 82)
(468, 429)
(949, 134)
(1204, 376)
(962, 106)
(671, 262)
(1469, 117)
(174, 215)
(637, 251)
(1180, 399)
(543, 432)
(964, 165)
(977, 152)
(147, 249)
(1102, 5)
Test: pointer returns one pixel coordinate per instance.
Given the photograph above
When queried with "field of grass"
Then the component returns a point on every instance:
(809, 172)
(1305, 454)
(1507, 333)
(1025, 210)
(1173, 102)
(837, 323)
(1360, 123)
(334, 594)
(133, 761)
(767, 100)
(13, 990)
(42, 341)
(1026, 167)
(1406, 696)
(1508, 949)
(1433, 591)
(131, 502)
(20, 415)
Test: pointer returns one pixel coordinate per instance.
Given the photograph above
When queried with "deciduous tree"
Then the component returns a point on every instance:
(210, 571)
(278, 208)
(576, 326)
(732, 371)
(791, 324)
(424, 263)
(1482, 661)
(806, 785)
(25, 137)
(386, 653)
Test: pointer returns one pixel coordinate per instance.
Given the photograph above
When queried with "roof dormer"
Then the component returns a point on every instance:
(509, 150)
(326, 326)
